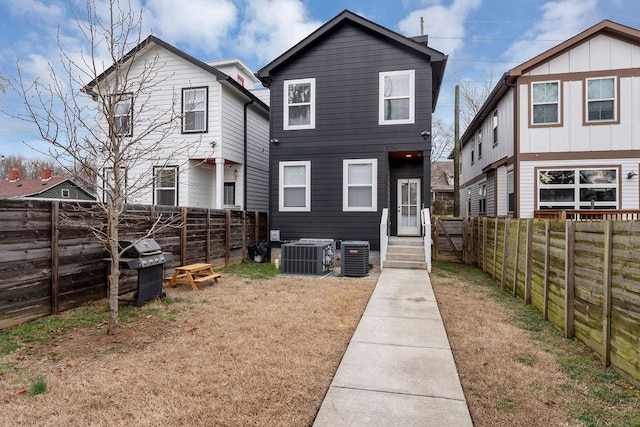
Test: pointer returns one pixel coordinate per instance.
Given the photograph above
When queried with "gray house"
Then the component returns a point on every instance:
(350, 131)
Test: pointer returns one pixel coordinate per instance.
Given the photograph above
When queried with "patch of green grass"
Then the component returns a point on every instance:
(252, 270)
(6, 367)
(504, 405)
(526, 360)
(38, 386)
(171, 316)
(171, 300)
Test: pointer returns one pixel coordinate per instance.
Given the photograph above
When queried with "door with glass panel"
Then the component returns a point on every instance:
(409, 207)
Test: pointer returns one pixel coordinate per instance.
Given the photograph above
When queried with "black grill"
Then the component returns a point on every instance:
(147, 258)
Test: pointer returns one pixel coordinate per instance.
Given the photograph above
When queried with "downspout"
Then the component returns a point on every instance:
(244, 169)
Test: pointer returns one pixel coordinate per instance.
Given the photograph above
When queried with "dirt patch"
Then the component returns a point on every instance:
(241, 352)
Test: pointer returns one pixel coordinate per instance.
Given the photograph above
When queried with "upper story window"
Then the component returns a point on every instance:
(601, 99)
(165, 185)
(65, 193)
(194, 110)
(122, 115)
(397, 97)
(495, 128)
(473, 153)
(545, 101)
(299, 104)
(295, 186)
(359, 178)
(479, 138)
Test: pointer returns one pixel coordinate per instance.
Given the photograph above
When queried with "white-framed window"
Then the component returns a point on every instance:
(479, 139)
(194, 109)
(601, 99)
(545, 103)
(165, 185)
(473, 152)
(495, 127)
(578, 188)
(299, 104)
(295, 186)
(65, 193)
(360, 185)
(108, 184)
(482, 199)
(397, 97)
(122, 115)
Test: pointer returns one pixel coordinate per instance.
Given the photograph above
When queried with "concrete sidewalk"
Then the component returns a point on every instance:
(398, 369)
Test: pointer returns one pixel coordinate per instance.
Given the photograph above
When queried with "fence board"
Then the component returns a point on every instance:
(35, 278)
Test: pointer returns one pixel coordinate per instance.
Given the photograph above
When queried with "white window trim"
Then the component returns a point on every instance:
(312, 103)
(412, 97)
(156, 188)
(204, 109)
(576, 186)
(614, 99)
(374, 185)
(557, 104)
(307, 187)
(65, 193)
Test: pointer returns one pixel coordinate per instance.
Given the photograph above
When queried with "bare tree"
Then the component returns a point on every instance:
(441, 140)
(473, 95)
(101, 124)
(30, 168)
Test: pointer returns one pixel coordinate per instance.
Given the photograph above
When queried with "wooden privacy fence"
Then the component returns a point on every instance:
(584, 276)
(51, 261)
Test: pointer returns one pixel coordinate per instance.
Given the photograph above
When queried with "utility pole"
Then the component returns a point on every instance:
(456, 154)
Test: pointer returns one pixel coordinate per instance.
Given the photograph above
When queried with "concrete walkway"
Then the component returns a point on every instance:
(398, 369)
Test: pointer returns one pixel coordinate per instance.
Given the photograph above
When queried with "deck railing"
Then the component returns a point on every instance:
(384, 236)
(588, 214)
(425, 217)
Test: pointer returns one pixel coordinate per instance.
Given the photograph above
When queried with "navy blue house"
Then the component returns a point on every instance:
(350, 131)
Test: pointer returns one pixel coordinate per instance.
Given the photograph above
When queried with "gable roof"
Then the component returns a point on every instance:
(219, 75)
(10, 189)
(607, 27)
(417, 44)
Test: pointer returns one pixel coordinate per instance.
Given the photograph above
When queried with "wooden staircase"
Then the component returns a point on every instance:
(405, 252)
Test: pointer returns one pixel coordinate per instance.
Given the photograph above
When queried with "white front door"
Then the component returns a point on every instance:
(409, 207)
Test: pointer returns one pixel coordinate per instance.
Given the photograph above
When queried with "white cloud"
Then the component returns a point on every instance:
(560, 20)
(444, 23)
(36, 9)
(198, 24)
(273, 26)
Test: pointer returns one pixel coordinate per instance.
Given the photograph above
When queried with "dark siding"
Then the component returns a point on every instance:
(346, 66)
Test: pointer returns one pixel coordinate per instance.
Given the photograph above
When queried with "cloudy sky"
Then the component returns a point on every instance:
(481, 37)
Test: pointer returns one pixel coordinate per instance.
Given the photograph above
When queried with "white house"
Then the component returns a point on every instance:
(216, 153)
(560, 131)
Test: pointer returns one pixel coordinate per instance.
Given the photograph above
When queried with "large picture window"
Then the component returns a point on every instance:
(397, 97)
(578, 188)
(601, 99)
(545, 99)
(194, 110)
(295, 186)
(299, 104)
(359, 191)
(165, 185)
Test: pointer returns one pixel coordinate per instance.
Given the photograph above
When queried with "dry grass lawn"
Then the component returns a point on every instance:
(242, 352)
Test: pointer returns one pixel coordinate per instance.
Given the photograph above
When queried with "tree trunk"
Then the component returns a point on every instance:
(115, 270)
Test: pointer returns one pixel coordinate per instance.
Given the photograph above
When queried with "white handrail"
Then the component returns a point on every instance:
(384, 236)
(425, 218)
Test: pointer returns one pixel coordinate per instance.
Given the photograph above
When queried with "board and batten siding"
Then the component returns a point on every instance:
(345, 64)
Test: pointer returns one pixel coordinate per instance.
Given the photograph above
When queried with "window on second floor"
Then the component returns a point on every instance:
(495, 128)
(65, 193)
(194, 110)
(122, 115)
(359, 180)
(397, 97)
(473, 154)
(295, 186)
(479, 138)
(299, 104)
(601, 99)
(165, 185)
(545, 101)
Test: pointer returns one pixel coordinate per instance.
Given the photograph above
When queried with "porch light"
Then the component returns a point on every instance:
(235, 174)
(631, 174)
(408, 156)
